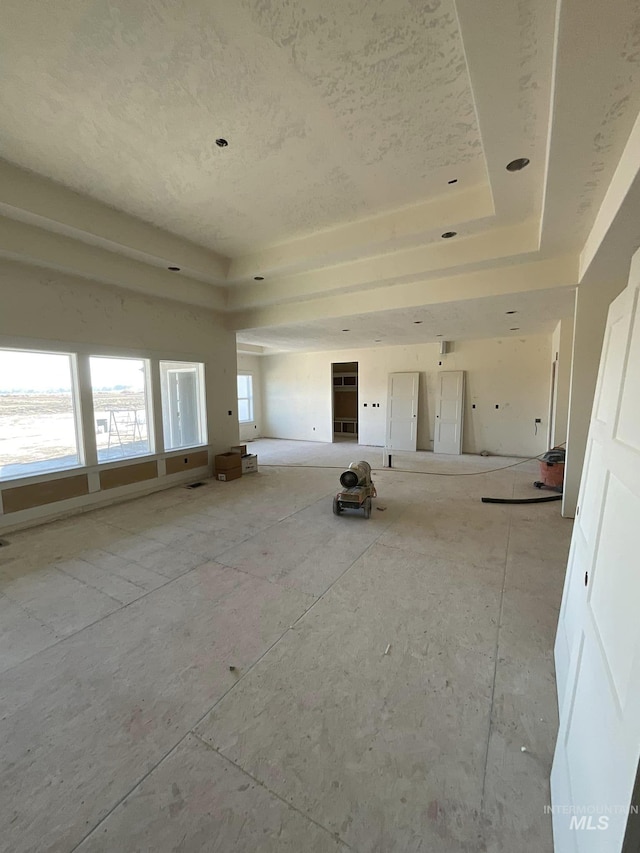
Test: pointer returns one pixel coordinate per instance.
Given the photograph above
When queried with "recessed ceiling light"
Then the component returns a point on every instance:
(517, 165)
(515, 329)
(174, 269)
(449, 234)
(454, 181)
(510, 312)
(417, 322)
(221, 143)
(258, 278)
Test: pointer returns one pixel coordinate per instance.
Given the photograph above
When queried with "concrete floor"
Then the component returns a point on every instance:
(122, 727)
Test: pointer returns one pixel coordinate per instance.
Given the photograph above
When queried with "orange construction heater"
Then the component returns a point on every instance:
(552, 470)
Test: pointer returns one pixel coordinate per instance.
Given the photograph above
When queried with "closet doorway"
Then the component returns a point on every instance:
(345, 400)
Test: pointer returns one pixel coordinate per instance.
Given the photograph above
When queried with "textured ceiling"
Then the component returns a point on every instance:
(360, 133)
(333, 110)
(536, 313)
(590, 133)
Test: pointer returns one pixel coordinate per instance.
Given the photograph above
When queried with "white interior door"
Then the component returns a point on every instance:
(402, 411)
(598, 642)
(449, 412)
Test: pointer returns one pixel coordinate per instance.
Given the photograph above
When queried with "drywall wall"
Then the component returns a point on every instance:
(297, 396)
(46, 305)
(43, 308)
(512, 373)
(252, 364)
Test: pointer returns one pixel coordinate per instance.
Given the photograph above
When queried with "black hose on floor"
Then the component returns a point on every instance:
(522, 500)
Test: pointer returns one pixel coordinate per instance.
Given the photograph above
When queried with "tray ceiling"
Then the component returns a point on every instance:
(358, 135)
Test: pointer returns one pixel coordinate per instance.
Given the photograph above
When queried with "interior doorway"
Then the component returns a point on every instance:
(344, 377)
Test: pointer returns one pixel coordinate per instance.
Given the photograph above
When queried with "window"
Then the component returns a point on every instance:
(245, 398)
(120, 407)
(183, 405)
(38, 425)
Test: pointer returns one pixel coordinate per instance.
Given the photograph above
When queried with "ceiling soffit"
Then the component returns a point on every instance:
(507, 315)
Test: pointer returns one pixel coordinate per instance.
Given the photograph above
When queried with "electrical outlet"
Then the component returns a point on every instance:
(538, 420)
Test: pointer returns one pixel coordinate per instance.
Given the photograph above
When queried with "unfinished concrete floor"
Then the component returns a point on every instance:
(123, 728)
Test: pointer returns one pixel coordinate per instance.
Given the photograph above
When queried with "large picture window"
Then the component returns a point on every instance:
(38, 424)
(120, 407)
(48, 416)
(183, 406)
(245, 398)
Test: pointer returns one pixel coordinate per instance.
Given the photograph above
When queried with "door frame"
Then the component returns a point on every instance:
(333, 398)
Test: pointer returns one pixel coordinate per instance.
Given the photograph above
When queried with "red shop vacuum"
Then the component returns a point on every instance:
(552, 470)
(552, 478)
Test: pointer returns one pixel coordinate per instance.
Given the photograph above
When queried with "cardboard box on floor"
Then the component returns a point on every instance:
(249, 463)
(227, 461)
(232, 474)
(235, 463)
(228, 466)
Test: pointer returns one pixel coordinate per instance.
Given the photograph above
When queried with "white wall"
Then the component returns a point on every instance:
(252, 364)
(510, 372)
(46, 305)
(44, 309)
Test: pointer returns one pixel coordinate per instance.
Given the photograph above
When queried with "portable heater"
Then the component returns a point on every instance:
(357, 489)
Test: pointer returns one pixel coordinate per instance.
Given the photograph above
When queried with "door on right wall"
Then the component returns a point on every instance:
(449, 412)
(597, 649)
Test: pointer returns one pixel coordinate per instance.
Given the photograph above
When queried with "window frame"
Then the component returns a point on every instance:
(201, 403)
(80, 354)
(149, 408)
(250, 399)
(76, 406)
